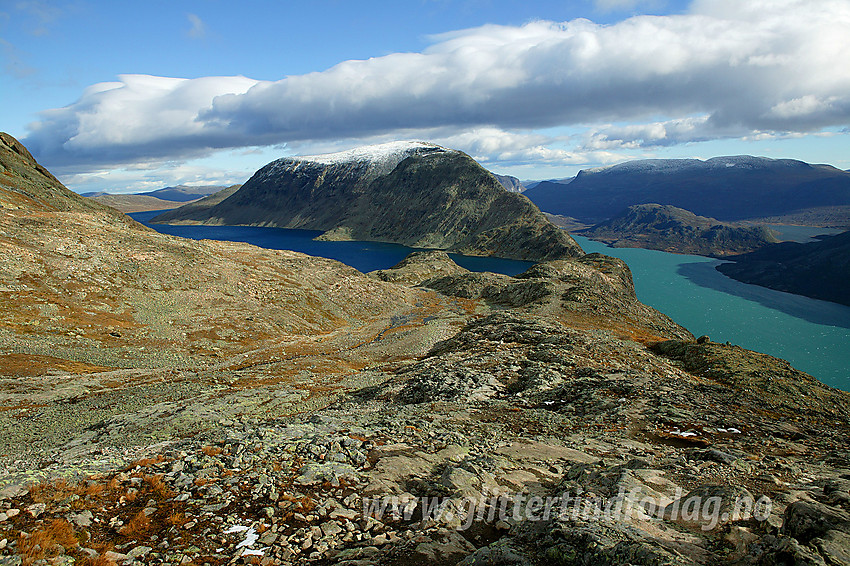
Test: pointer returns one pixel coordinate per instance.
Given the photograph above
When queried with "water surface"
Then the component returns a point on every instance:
(363, 256)
(813, 335)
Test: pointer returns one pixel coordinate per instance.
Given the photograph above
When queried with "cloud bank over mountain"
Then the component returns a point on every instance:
(726, 69)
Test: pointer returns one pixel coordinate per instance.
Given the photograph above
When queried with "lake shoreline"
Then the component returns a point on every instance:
(813, 335)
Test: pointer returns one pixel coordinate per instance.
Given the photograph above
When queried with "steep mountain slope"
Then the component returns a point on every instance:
(26, 186)
(671, 229)
(411, 193)
(819, 269)
(726, 188)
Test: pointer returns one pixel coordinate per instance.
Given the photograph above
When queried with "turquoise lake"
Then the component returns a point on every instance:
(813, 335)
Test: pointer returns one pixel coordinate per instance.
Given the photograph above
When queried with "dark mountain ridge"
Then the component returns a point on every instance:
(727, 188)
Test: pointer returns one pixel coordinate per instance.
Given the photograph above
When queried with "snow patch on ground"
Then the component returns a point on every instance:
(251, 537)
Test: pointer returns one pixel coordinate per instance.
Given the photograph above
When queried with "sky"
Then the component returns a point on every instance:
(133, 96)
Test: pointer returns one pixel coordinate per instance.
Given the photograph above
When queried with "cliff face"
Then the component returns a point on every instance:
(411, 193)
(671, 229)
(510, 183)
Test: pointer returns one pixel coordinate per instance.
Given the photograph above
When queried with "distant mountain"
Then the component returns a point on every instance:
(184, 193)
(161, 199)
(134, 203)
(512, 184)
(726, 188)
(819, 269)
(567, 223)
(532, 184)
(671, 229)
(197, 208)
(412, 193)
(823, 216)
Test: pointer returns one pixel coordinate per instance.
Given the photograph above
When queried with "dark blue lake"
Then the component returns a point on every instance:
(362, 256)
(813, 335)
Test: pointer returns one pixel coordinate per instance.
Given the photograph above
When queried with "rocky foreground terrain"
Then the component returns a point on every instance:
(166, 401)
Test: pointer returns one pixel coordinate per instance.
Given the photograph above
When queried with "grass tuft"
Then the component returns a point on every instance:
(55, 539)
(137, 526)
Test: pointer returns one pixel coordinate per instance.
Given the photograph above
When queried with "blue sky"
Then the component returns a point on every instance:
(131, 96)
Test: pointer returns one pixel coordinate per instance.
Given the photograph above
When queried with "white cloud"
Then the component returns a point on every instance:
(655, 134)
(136, 118)
(198, 29)
(145, 177)
(490, 145)
(727, 68)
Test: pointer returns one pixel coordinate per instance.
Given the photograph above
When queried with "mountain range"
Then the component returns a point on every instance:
(161, 199)
(726, 188)
(179, 193)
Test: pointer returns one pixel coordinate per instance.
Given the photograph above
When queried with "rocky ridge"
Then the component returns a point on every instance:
(503, 418)
(412, 193)
(174, 402)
